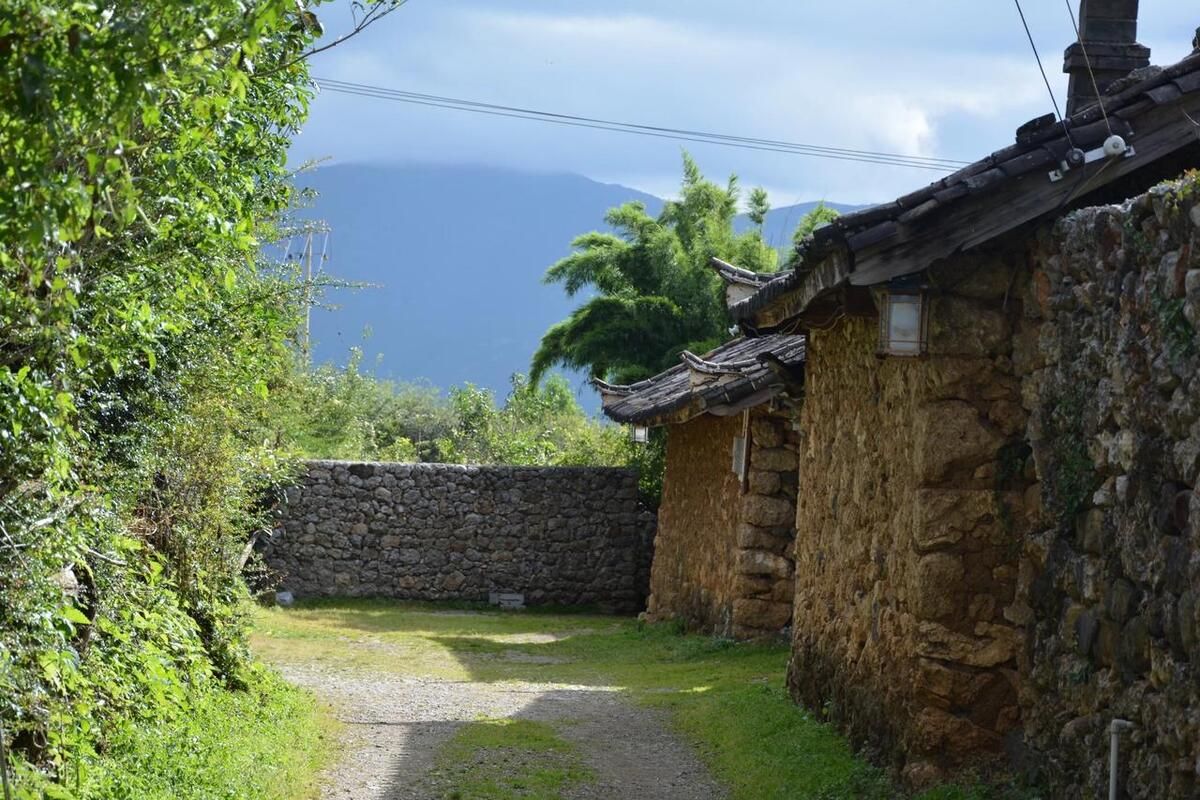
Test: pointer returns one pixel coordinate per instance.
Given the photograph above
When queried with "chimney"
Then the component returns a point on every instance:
(1109, 32)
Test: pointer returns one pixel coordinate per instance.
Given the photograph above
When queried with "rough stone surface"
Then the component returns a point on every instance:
(998, 545)
(722, 561)
(1116, 559)
(572, 536)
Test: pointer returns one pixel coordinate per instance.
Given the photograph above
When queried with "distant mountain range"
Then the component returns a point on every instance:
(455, 257)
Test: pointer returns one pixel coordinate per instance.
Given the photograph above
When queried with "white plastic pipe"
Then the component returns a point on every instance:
(1114, 754)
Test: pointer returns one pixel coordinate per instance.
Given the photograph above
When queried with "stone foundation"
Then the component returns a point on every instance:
(570, 536)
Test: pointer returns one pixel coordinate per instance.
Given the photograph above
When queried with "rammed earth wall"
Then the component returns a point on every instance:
(909, 524)
(572, 536)
(722, 561)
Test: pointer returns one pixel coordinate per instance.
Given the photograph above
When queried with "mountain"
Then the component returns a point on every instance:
(454, 256)
(781, 222)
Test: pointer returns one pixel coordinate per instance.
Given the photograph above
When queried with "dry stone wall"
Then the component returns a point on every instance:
(573, 536)
(1111, 360)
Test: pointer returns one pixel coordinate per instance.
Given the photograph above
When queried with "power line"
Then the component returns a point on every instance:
(1038, 58)
(1088, 62)
(679, 134)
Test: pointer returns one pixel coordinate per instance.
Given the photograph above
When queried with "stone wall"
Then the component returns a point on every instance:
(998, 544)
(1112, 576)
(909, 523)
(572, 536)
(722, 561)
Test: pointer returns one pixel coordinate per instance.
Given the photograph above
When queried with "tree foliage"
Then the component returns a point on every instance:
(142, 152)
(819, 216)
(347, 414)
(654, 292)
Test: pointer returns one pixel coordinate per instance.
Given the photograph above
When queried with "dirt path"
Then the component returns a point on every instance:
(395, 725)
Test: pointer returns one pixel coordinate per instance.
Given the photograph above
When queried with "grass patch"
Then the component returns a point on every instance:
(727, 698)
(265, 743)
(507, 759)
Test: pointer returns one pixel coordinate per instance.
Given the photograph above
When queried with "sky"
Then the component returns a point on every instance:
(946, 78)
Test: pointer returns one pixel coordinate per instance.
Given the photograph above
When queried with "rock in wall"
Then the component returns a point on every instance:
(1112, 578)
(572, 536)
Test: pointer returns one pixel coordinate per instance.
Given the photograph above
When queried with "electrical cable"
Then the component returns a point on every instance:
(516, 109)
(681, 134)
(1053, 99)
(1088, 62)
(618, 129)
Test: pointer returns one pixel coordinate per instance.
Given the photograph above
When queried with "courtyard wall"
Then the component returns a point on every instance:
(565, 536)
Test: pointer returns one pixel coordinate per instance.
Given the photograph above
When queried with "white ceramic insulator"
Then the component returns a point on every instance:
(1114, 146)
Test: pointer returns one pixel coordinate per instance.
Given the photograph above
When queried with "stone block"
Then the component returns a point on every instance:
(938, 585)
(754, 537)
(766, 433)
(997, 644)
(774, 459)
(761, 614)
(952, 434)
(944, 516)
(751, 586)
(767, 511)
(1089, 531)
(1121, 600)
(960, 326)
(764, 482)
(757, 562)
(1134, 649)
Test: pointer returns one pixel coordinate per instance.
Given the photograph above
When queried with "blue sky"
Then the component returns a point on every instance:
(949, 78)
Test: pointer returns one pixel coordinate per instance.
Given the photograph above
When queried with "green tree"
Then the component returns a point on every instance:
(142, 153)
(655, 294)
(538, 425)
(821, 215)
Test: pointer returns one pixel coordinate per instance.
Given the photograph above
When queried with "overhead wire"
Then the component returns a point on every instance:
(1045, 79)
(1088, 61)
(679, 134)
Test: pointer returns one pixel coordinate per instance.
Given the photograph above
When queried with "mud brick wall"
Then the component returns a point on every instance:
(1111, 577)
(722, 561)
(909, 525)
(692, 575)
(573, 536)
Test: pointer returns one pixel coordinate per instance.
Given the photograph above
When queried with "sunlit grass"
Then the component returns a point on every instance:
(727, 698)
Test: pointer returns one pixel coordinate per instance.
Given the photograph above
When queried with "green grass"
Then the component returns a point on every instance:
(266, 743)
(507, 759)
(727, 698)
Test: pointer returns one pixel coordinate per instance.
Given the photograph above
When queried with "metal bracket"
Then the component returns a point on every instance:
(1078, 158)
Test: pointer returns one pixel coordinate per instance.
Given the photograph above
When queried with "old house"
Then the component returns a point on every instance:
(998, 543)
(722, 553)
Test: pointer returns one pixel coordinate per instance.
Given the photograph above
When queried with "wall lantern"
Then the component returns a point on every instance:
(903, 318)
(641, 434)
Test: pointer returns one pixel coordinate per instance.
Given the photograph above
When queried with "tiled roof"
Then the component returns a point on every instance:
(743, 277)
(738, 374)
(1148, 109)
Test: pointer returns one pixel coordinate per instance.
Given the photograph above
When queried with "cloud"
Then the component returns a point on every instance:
(858, 76)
